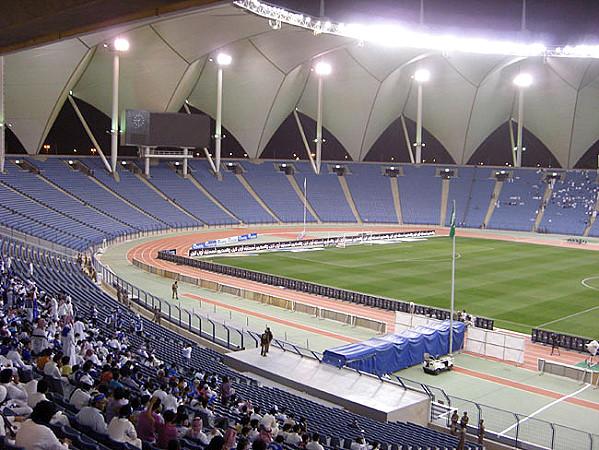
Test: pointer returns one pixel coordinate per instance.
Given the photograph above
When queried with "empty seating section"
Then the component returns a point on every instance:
(324, 194)
(420, 195)
(36, 188)
(519, 201)
(55, 222)
(371, 192)
(81, 186)
(480, 198)
(184, 193)
(231, 193)
(20, 222)
(135, 191)
(569, 209)
(275, 190)
(54, 273)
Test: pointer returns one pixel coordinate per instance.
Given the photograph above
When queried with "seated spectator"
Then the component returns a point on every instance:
(91, 416)
(121, 429)
(80, 396)
(315, 443)
(294, 438)
(15, 392)
(34, 433)
(40, 394)
(115, 403)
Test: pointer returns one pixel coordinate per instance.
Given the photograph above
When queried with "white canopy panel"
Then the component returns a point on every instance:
(170, 61)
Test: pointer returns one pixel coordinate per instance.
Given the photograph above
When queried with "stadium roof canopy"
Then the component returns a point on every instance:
(171, 57)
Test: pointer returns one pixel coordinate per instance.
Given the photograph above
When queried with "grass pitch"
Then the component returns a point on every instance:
(519, 285)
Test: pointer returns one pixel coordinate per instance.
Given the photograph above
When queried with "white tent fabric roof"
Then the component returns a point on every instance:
(169, 61)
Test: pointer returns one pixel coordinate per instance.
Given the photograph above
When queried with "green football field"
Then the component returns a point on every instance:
(519, 285)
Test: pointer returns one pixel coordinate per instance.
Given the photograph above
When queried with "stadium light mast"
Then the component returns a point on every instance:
(117, 47)
(222, 60)
(522, 81)
(2, 119)
(322, 69)
(421, 76)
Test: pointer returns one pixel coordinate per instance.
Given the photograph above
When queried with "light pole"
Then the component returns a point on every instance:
(421, 76)
(322, 69)
(119, 45)
(221, 60)
(522, 81)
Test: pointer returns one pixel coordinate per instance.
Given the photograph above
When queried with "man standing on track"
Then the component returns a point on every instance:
(554, 346)
(175, 288)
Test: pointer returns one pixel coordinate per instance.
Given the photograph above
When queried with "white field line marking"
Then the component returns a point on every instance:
(540, 410)
(584, 283)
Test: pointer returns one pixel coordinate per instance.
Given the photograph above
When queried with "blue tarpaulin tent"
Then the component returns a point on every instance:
(394, 352)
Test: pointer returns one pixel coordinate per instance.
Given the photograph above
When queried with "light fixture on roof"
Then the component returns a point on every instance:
(523, 80)
(121, 45)
(71, 162)
(398, 36)
(283, 165)
(177, 163)
(337, 166)
(422, 75)
(323, 68)
(17, 161)
(124, 163)
(223, 59)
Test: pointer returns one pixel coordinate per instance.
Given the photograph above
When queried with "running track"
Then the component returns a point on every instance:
(147, 253)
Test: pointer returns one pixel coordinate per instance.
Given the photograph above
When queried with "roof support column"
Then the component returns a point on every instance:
(185, 153)
(219, 110)
(114, 129)
(519, 133)
(2, 120)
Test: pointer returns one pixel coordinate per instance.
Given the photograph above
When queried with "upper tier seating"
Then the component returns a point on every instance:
(519, 201)
(371, 192)
(135, 191)
(420, 195)
(81, 186)
(324, 193)
(569, 209)
(275, 190)
(231, 193)
(184, 193)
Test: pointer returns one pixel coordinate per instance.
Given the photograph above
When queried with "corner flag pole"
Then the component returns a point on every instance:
(452, 236)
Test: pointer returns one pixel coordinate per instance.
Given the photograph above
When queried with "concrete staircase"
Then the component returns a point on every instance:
(494, 197)
(593, 218)
(548, 191)
(254, 194)
(349, 198)
(123, 199)
(396, 202)
(300, 194)
(214, 200)
(444, 197)
(144, 180)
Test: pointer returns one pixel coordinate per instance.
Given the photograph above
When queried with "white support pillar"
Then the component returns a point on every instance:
(2, 119)
(420, 76)
(319, 127)
(419, 126)
(522, 81)
(89, 132)
(146, 153)
(185, 153)
(219, 106)
(519, 133)
(114, 129)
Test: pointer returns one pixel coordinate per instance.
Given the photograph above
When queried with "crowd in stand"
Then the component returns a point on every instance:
(109, 387)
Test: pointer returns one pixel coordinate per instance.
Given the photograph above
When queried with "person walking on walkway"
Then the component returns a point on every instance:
(175, 288)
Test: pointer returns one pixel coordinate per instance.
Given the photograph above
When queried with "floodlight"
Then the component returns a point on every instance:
(17, 161)
(323, 68)
(121, 45)
(422, 75)
(283, 165)
(70, 162)
(523, 80)
(223, 59)
(337, 166)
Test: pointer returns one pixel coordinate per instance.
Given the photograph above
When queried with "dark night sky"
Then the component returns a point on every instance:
(553, 22)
